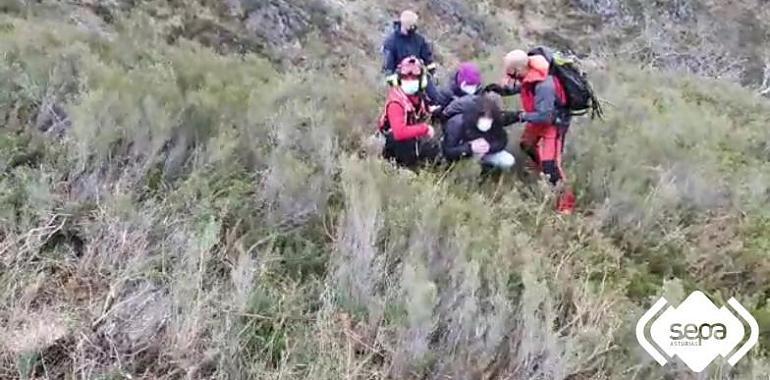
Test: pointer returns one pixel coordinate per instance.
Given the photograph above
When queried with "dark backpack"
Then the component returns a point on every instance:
(581, 98)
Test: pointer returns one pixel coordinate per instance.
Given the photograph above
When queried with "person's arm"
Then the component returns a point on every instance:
(401, 131)
(389, 53)
(510, 117)
(459, 106)
(511, 90)
(507, 90)
(545, 104)
(426, 52)
(453, 146)
(445, 96)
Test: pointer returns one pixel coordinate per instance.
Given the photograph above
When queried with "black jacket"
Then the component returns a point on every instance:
(460, 129)
(398, 46)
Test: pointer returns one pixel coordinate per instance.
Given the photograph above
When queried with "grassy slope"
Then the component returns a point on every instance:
(206, 217)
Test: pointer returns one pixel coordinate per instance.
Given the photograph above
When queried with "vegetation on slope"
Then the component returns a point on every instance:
(199, 215)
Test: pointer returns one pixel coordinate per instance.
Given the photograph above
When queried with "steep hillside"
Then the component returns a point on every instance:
(185, 194)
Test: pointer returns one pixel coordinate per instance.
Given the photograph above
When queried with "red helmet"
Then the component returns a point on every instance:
(410, 67)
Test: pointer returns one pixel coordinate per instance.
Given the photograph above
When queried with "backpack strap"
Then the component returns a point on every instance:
(545, 52)
(561, 95)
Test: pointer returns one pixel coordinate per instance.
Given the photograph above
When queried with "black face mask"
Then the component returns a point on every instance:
(411, 31)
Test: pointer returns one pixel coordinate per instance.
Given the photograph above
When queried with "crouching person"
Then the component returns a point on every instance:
(474, 128)
(408, 138)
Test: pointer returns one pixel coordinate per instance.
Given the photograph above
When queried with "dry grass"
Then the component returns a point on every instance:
(206, 216)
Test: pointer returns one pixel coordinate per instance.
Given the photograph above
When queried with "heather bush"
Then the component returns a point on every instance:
(203, 215)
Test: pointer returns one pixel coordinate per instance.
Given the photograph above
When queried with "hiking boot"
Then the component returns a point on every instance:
(566, 203)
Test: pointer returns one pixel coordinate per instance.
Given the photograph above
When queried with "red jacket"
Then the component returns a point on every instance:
(401, 116)
(540, 93)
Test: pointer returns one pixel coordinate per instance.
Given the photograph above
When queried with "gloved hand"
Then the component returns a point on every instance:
(493, 87)
(480, 147)
(436, 112)
(392, 79)
(511, 117)
(432, 68)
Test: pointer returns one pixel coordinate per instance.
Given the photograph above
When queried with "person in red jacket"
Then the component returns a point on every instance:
(543, 137)
(408, 138)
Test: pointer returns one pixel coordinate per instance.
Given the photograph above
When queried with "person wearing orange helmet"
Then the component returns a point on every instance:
(408, 138)
(542, 100)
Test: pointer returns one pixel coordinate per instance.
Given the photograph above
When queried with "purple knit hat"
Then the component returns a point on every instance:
(469, 74)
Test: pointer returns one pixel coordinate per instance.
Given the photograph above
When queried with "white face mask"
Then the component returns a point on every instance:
(410, 87)
(484, 124)
(468, 89)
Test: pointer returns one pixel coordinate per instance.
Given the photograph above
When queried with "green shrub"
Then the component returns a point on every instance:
(209, 216)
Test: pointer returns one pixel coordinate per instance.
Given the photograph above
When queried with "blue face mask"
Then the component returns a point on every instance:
(410, 87)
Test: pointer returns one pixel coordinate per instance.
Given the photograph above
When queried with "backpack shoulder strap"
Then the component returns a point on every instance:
(561, 92)
(544, 51)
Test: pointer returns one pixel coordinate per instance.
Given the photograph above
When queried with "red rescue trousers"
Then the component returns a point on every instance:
(545, 145)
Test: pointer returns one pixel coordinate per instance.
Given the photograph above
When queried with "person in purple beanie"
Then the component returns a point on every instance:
(467, 80)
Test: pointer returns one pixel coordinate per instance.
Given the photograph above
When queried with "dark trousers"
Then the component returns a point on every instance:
(411, 153)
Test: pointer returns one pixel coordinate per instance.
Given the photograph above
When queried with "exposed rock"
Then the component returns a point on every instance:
(607, 9)
(462, 16)
(280, 21)
(234, 8)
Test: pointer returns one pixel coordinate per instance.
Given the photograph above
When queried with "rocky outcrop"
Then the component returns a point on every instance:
(464, 18)
(278, 22)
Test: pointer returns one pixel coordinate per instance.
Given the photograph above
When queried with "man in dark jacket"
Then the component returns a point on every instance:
(405, 42)
(474, 128)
